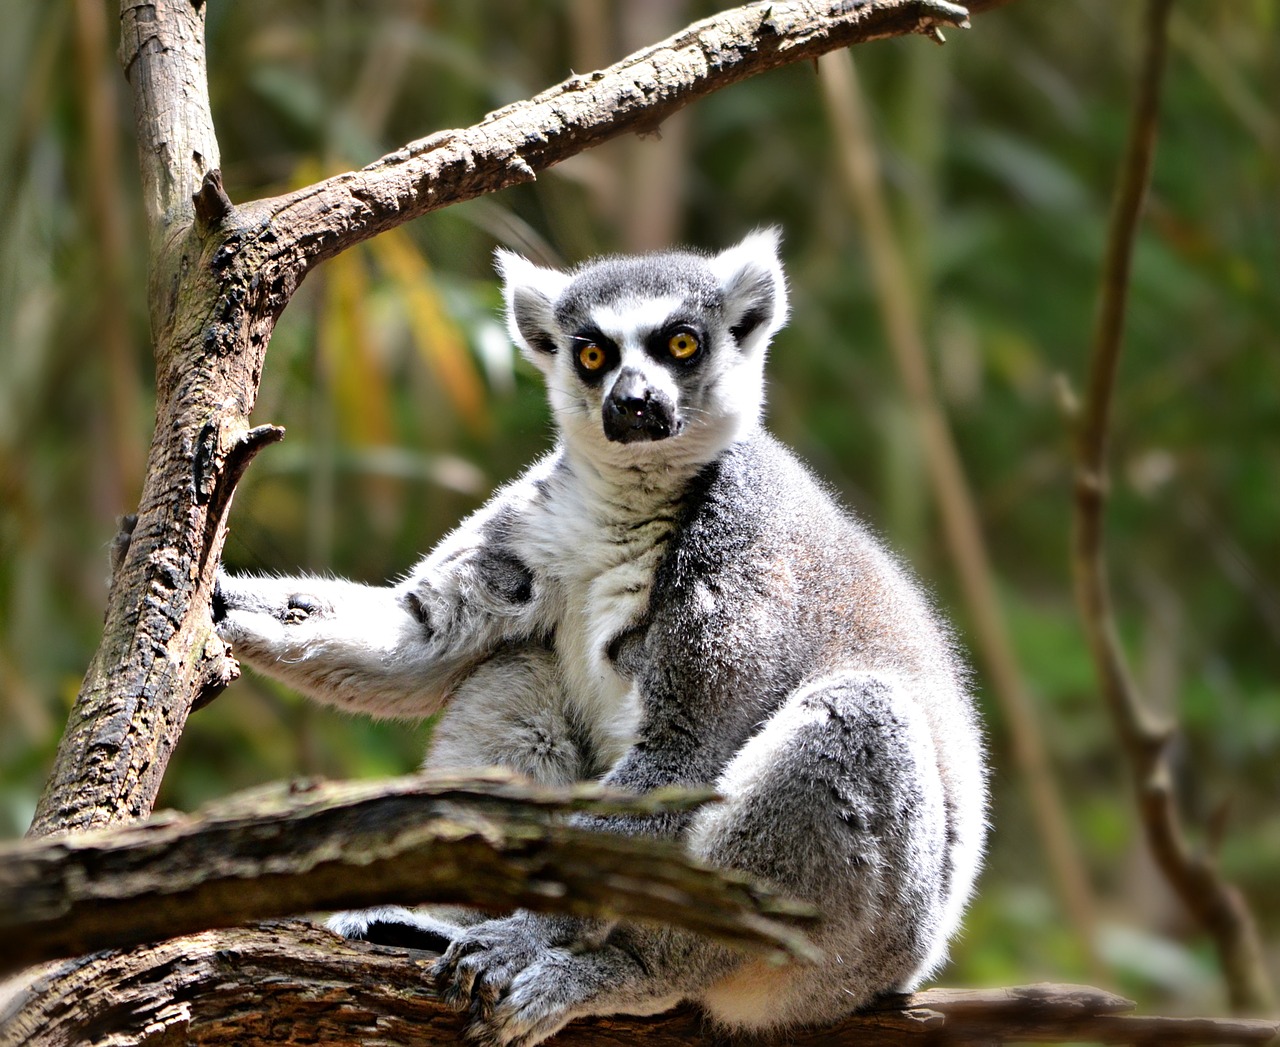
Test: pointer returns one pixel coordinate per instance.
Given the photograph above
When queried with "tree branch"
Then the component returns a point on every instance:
(283, 850)
(162, 52)
(513, 144)
(1216, 904)
(294, 982)
(159, 650)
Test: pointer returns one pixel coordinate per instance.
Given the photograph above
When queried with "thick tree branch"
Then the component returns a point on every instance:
(1216, 904)
(159, 651)
(294, 982)
(433, 838)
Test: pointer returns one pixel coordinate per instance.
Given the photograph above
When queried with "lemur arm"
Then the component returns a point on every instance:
(354, 646)
(393, 650)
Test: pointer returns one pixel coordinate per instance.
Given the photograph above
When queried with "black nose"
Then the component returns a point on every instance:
(634, 410)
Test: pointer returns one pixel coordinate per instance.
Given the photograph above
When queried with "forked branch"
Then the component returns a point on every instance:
(513, 144)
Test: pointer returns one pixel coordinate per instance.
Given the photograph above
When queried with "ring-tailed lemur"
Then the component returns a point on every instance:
(667, 598)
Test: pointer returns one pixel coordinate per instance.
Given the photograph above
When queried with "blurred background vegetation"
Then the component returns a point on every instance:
(404, 403)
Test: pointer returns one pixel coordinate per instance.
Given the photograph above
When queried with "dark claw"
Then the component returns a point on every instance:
(485, 993)
(444, 973)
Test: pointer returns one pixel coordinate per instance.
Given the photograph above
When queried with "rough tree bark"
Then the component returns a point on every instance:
(296, 983)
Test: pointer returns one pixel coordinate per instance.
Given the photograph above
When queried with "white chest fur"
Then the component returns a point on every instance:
(601, 547)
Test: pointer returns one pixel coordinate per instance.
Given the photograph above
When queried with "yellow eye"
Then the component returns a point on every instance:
(591, 356)
(682, 345)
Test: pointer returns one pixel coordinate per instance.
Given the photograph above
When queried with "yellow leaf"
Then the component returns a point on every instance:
(435, 334)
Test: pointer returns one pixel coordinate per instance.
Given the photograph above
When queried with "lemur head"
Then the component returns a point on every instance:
(655, 358)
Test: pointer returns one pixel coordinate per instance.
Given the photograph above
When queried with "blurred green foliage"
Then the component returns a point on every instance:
(404, 403)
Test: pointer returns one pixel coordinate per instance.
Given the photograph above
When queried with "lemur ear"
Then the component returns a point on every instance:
(530, 293)
(754, 288)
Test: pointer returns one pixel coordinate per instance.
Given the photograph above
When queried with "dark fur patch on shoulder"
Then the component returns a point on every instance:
(416, 607)
(506, 576)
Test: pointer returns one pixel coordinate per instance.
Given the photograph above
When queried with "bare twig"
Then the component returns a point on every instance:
(961, 524)
(294, 982)
(432, 838)
(1216, 904)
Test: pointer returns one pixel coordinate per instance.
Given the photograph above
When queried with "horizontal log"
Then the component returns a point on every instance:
(488, 841)
(293, 982)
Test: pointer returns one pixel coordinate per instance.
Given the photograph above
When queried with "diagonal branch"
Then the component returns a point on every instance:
(1216, 904)
(513, 144)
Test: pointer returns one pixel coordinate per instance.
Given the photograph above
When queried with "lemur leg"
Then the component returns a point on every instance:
(513, 712)
(510, 712)
(839, 802)
(835, 801)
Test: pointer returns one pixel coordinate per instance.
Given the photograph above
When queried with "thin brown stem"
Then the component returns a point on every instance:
(961, 524)
(1194, 874)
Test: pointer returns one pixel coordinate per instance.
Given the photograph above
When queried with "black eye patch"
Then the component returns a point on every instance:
(679, 344)
(594, 355)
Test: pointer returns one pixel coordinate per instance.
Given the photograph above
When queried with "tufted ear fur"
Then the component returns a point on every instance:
(530, 293)
(754, 287)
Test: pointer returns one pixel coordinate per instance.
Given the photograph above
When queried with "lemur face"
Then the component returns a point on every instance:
(658, 358)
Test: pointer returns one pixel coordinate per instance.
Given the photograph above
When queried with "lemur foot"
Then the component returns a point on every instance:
(481, 963)
(540, 1001)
